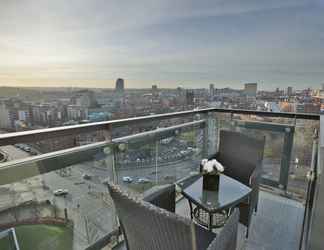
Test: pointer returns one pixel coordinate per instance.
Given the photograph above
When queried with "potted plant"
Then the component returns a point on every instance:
(210, 171)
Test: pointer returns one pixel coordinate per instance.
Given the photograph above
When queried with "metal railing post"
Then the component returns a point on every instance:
(205, 137)
(107, 133)
(114, 160)
(286, 156)
(156, 161)
(210, 135)
(311, 182)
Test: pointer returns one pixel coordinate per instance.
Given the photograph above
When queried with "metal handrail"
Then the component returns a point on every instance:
(160, 132)
(43, 134)
(19, 169)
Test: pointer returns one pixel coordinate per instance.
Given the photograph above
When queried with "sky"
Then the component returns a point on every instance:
(187, 43)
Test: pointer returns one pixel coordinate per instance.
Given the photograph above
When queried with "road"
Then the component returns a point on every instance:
(89, 208)
(13, 152)
(88, 203)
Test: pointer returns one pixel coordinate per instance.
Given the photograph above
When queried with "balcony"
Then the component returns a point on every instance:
(60, 189)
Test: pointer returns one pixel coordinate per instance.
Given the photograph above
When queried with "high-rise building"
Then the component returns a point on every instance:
(155, 90)
(5, 121)
(180, 91)
(250, 89)
(77, 113)
(120, 85)
(289, 91)
(48, 114)
(190, 96)
(211, 89)
(12, 111)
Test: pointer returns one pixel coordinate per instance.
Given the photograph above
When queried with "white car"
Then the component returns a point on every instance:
(127, 179)
(143, 180)
(59, 192)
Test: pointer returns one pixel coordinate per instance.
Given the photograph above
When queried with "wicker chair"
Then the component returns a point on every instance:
(148, 227)
(242, 158)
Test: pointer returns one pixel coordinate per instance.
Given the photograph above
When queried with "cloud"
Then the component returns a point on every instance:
(166, 41)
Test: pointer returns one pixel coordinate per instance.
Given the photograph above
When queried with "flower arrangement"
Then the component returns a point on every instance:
(210, 170)
(211, 167)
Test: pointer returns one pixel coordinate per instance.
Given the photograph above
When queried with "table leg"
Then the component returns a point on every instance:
(191, 212)
(229, 212)
(210, 221)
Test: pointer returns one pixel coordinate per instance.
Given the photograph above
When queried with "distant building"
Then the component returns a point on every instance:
(77, 113)
(308, 108)
(289, 91)
(24, 115)
(318, 93)
(97, 116)
(180, 91)
(286, 106)
(47, 114)
(211, 89)
(155, 90)
(12, 111)
(85, 98)
(250, 89)
(5, 121)
(190, 98)
(227, 92)
(120, 85)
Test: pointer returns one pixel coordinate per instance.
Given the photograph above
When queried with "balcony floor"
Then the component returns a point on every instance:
(276, 225)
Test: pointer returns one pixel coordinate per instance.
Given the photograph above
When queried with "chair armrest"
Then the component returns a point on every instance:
(254, 182)
(162, 197)
(255, 177)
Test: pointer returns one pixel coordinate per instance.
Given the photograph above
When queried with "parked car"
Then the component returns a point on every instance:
(86, 176)
(143, 180)
(127, 179)
(33, 152)
(60, 192)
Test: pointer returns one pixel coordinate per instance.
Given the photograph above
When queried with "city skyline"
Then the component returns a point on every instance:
(187, 44)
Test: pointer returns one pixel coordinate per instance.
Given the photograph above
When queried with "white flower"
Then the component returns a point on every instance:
(214, 162)
(219, 167)
(212, 166)
(208, 167)
(178, 188)
(203, 162)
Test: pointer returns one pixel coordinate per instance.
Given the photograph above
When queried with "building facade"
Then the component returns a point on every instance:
(250, 89)
(120, 85)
